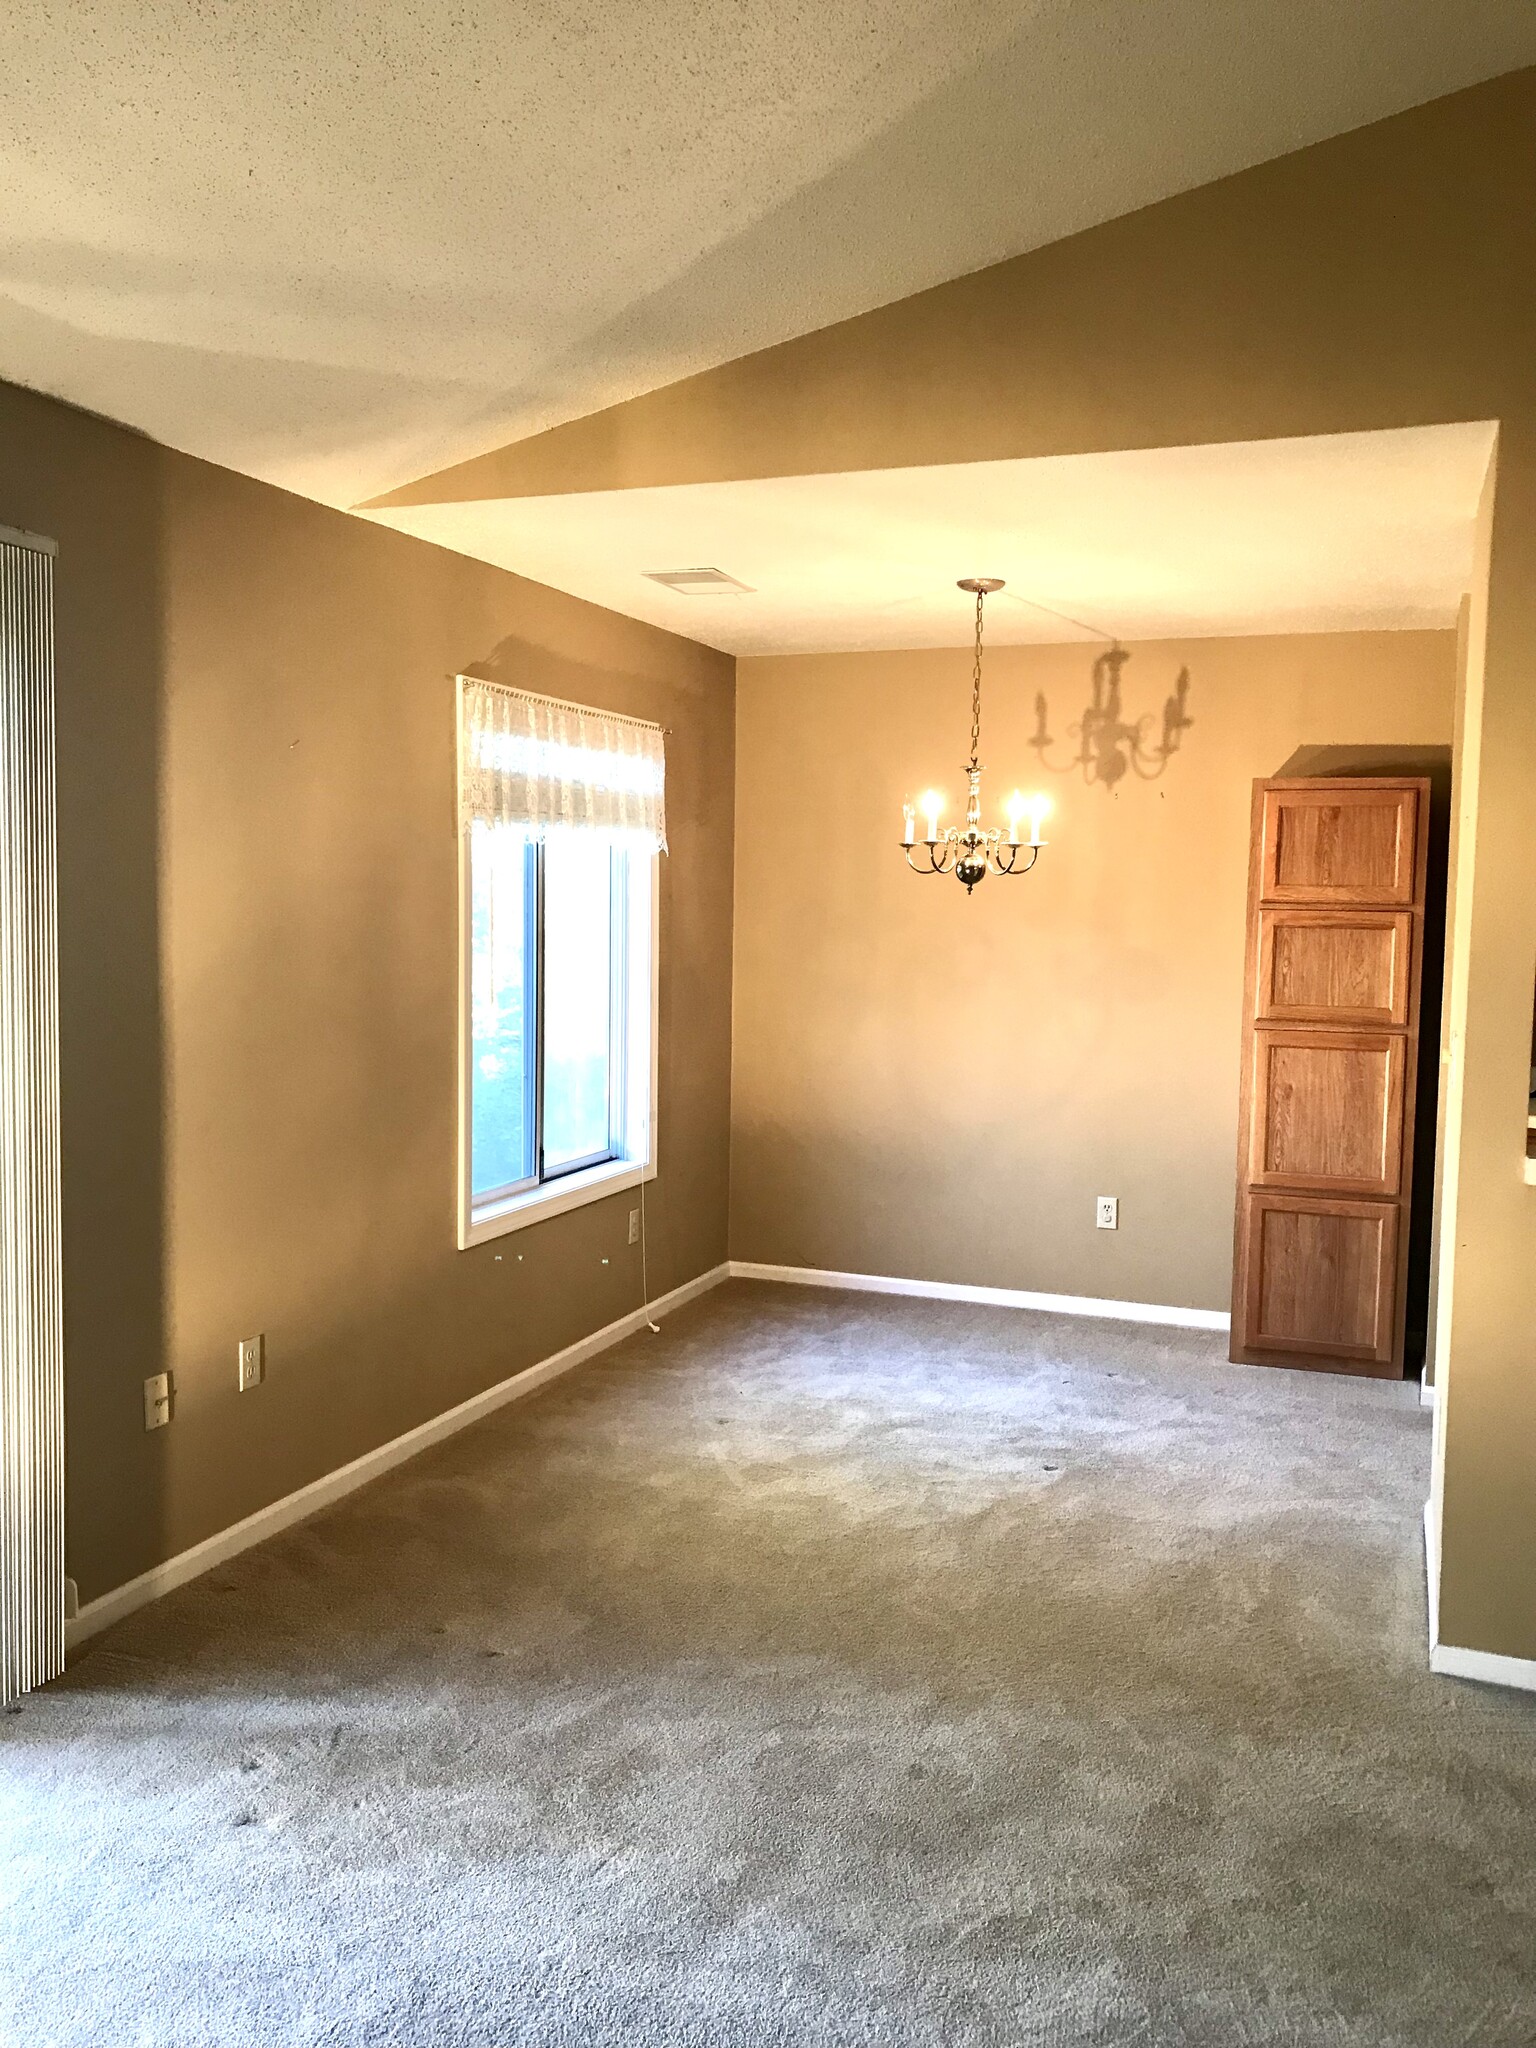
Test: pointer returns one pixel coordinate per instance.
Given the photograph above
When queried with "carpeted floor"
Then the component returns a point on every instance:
(829, 1670)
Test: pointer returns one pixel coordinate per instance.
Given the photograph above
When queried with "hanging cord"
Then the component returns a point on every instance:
(1066, 618)
(645, 1271)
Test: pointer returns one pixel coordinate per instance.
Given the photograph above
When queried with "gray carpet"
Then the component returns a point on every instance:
(829, 1670)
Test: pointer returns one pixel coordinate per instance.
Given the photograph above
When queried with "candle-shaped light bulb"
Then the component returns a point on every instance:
(933, 803)
(1038, 809)
(1015, 812)
(908, 824)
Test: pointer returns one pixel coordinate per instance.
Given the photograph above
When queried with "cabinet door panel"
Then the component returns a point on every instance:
(1336, 895)
(1327, 1111)
(1339, 845)
(1334, 966)
(1322, 1277)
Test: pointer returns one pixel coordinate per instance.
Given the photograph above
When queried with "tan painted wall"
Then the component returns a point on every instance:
(937, 1087)
(1384, 279)
(258, 900)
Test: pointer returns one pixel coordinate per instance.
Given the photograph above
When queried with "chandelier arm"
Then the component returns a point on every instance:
(940, 852)
(1012, 867)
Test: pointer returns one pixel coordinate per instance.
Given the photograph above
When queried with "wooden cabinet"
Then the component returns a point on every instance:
(1326, 1111)
(1320, 1283)
(1330, 1055)
(1333, 967)
(1348, 842)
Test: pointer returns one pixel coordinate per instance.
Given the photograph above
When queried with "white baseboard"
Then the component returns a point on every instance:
(1483, 1666)
(1426, 1393)
(993, 1297)
(320, 1493)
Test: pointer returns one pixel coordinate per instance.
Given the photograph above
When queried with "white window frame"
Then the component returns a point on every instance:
(573, 1189)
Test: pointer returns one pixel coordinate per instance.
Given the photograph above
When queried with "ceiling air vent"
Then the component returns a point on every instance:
(697, 582)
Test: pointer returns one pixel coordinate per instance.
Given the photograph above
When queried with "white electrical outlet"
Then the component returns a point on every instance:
(157, 1400)
(253, 1362)
(634, 1226)
(1106, 1212)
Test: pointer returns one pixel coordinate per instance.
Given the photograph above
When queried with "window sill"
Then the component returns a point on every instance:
(555, 1198)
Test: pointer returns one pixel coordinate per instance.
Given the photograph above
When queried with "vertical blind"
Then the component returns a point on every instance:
(31, 1316)
(545, 765)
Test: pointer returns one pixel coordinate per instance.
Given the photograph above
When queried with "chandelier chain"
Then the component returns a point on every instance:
(981, 598)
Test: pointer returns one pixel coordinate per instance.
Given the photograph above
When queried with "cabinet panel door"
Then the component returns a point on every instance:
(1327, 1111)
(1339, 845)
(1334, 966)
(1322, 1277)
(1336, 894)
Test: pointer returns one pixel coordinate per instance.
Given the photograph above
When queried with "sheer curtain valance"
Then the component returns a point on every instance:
(550, 766)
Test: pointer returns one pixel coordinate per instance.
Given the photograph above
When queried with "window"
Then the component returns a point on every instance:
(558, 1040)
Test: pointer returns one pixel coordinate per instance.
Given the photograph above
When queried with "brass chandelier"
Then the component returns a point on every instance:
(966, 851)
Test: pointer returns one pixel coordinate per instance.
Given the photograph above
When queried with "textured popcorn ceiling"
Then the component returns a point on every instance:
(340, 245)
(1321, 534)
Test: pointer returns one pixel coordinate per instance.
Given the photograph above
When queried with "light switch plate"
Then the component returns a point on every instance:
(157, 1400)
(252, 1362)
(1106, 1213)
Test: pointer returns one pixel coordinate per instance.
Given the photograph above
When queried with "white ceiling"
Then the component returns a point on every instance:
(340, 245)
(1335, 533)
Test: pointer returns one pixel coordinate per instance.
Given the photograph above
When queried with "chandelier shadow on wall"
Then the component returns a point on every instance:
(1110, 745)
(969, 852)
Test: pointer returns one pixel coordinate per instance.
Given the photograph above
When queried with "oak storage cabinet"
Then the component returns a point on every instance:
(1330, 1057)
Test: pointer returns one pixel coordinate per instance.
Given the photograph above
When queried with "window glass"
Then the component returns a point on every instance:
(580, 929)
(560, 994)
(502, 932)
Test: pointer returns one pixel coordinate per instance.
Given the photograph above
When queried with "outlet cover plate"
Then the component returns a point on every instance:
(1106, 1212)
(252, 1362)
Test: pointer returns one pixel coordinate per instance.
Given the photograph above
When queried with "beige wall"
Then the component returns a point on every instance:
(1384, 279)
(937, 1087)
(258, 908)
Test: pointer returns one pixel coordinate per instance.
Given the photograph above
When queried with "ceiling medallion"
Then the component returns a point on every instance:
(967, 852)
